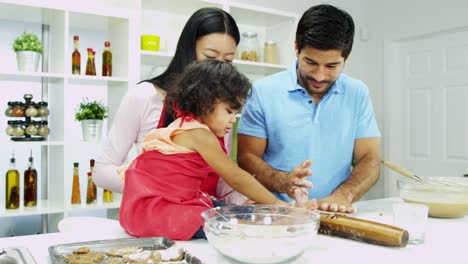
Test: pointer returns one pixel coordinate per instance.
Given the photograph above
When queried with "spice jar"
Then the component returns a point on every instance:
(18, 130)
(31, 111)
(18, 110)
(43, 130)
(270, 52)
(10, 128)
(9, 109)
(249, 49)
(43, 110)
(31, 129)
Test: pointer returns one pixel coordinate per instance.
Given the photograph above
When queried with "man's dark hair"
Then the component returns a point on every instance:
(326, 27)
(205, 83)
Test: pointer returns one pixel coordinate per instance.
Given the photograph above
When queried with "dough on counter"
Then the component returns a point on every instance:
(143, 257)
(115, 261)
(122, 251)
(81, 250)
(124, 255)
(84, 258)
(173, 253)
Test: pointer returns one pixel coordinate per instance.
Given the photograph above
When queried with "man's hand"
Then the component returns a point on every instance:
(336, 203)
(295, 179)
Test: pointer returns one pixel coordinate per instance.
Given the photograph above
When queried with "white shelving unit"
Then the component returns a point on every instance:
(18, 75)
(269, 24)
(56, 207)
(122, 26)
(162, 59)
(63, 91)
(167, 18)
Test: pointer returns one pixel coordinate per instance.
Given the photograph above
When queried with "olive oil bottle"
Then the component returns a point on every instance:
(76, 57)
(107, 60)
(91, 168)
(12, 184)
(89, 190)
(76, 195)
(30, 184)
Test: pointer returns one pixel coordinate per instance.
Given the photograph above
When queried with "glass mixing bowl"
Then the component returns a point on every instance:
(443, 200)
(260, 233)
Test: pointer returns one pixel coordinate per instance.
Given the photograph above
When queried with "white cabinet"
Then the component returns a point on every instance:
(121, 22)
(63, 91)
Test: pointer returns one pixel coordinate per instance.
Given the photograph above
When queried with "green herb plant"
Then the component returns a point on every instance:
(91, 110)
(27, 42)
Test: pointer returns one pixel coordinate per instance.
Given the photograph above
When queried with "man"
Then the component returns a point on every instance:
(312, 112)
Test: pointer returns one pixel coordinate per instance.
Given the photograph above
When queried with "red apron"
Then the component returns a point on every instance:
(160, 199)
(209, 185)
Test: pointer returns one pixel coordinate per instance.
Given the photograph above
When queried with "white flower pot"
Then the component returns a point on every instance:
(28, 60)
(92, 130)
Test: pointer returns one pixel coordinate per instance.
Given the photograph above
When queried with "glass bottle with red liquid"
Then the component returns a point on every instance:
(30, 184)
(93, 62)
(90, 190)
(76, 57)
(107, 60)
(90, 70)
(91, 193)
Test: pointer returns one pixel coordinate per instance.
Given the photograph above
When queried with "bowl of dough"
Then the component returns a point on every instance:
(446, 197)
(261, 233)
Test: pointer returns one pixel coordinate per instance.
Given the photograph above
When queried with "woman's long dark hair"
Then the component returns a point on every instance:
(203, 22)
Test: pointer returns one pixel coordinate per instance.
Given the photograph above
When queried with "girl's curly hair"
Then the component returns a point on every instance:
(202, 84)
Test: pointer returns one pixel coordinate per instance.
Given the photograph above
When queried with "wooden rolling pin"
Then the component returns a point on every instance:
(362, 230)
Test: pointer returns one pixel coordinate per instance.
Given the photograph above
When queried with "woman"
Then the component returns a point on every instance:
(210, 33)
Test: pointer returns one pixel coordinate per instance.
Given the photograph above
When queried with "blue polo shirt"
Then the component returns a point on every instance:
(282, 111)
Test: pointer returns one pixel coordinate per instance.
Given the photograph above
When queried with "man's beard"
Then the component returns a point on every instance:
(305, 83)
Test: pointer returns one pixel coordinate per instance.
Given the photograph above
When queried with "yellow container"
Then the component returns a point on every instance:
(150, 42)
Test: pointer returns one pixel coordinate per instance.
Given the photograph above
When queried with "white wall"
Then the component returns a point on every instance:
(399, 19)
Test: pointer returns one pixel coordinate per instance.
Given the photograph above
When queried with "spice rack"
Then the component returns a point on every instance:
(27, 129)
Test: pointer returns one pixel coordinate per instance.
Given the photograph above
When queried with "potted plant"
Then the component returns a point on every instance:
(91, 115)
(28, 50)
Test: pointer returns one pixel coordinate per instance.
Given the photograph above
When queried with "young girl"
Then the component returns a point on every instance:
(162, 194)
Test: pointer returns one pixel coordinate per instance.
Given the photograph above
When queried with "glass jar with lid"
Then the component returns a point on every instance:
(18, 130)
(249, 47)
(9, 109)
(10, 129)
(270, 52)
(31, 129)
(43, 130)
(31, 111)
(18, 110)
(42, 110)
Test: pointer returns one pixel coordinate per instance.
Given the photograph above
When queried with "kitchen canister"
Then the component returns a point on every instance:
(249, 48)
(270, 52)
(150, 42)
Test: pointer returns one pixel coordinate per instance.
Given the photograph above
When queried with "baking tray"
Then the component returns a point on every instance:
(21, 255)
(58, 252)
